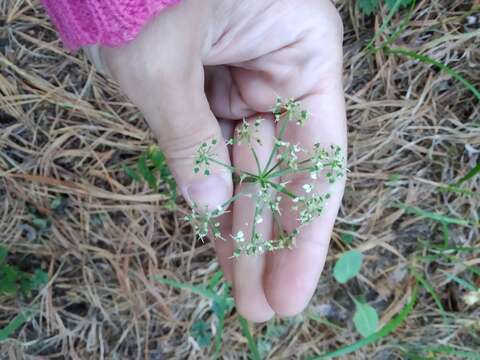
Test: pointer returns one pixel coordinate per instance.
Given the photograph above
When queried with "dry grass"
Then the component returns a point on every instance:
(66, 132)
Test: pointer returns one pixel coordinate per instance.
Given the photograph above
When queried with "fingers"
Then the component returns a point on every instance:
(224, 94)
(292, 275)
(248, 270)
(186, 128)
(224, 247)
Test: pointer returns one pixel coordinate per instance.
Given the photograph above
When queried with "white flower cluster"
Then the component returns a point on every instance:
(286, 159)
(310, 207)
(205, 154)
(246, 133)
(205, 222)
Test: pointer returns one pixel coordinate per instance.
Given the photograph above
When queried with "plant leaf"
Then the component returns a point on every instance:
(367, 6)
(13, 325)
(365, 319)
(3, 254)
(8, 276)
(146, 173)
(402, 3)
(132, 174)
(348, 266)
(202, 334)
(39, 278)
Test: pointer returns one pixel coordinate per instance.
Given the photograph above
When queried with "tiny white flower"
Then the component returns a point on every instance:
(308, 188)
(313, 175)
(239, 237)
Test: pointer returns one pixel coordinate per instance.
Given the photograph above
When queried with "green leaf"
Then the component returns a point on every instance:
(252, 345)
(157, 158)
(389, 328)
(17, 321)
(40, 223)
(348, 266)
(39, 278)
(132, 174)
(3, 254)
(202, 333)
(56, 203)
(146, 173)
(433, 216)
(402, 3)
(471, 174)
(367, 6)
(8, 279)
(365, 319)
(428, 60)
(347, 239)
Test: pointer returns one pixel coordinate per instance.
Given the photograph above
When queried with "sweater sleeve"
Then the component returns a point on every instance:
(103, 22)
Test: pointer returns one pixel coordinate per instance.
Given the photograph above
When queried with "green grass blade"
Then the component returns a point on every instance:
(423, 282)
(428, 60)
(471, 174)
(13, 325)
(451, 351)
(215, 280)
(251, 342)
(433, 216)
(146, 173)
(219, 333)
(383, 332)
(457, 190)
(224, 307)
(386, 22)
(461, 282)
(401, 28)
(195, 289)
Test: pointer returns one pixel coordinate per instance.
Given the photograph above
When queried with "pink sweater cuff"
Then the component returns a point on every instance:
(103, 22)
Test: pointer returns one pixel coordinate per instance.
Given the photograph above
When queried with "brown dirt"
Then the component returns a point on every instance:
(66, 132)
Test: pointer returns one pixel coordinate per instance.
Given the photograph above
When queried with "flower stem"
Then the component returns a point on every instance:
(276, 146)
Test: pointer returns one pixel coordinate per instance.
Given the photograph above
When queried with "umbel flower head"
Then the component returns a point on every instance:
(286, 159)
(205, 154)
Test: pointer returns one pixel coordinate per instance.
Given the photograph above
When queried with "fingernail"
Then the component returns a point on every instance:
(209, 193)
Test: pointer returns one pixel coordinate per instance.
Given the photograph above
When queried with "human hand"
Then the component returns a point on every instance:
(229, 59)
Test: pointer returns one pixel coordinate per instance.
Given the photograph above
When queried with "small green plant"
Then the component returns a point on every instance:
(222, 305)
(365, 319)
(368, 7)
(13, 281)
(153, 165)
(348, 266)
(286, 159)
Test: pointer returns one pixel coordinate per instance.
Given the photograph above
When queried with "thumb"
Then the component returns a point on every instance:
(190, 137)
(165, 79)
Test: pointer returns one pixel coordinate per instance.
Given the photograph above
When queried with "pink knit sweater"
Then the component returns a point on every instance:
(105, 22)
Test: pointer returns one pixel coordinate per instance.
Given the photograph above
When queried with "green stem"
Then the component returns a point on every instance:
(259, 168)
(254, 226)
(282, 189)
(289, 171)
(280, 162)
(275, 148)
(231, 168)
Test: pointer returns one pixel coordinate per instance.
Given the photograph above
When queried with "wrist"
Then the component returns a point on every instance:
(96, 57)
